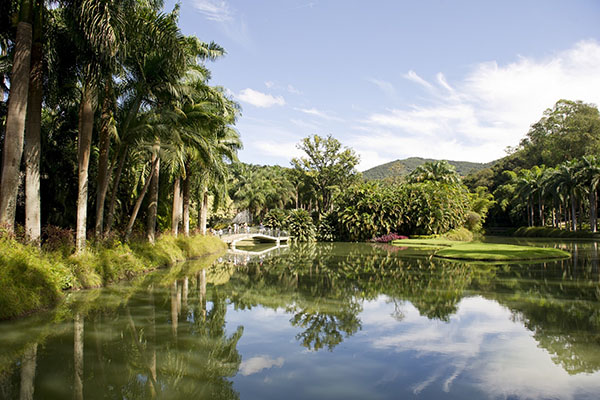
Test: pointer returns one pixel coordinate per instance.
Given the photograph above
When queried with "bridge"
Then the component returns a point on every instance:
(256, 234)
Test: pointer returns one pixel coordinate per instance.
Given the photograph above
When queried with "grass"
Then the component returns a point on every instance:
(32, 279)
(476, 251)
(499, 252)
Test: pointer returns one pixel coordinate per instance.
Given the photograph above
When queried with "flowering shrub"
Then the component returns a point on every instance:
(388, 238)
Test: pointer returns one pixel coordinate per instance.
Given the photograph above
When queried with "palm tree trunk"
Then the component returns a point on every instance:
(32, 153)
(103, 164)
(153, 206)
(113, 197)
(203, 212)
(573, 214)
(86, 126)
(186, 202)
(593, 210)
(176, 213)
(138, 203)
(541, 209)
(15, 120)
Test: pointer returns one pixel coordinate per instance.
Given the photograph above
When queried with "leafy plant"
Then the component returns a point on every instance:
(301, 226)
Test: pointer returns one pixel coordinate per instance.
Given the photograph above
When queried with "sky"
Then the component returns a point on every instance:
(444, 79)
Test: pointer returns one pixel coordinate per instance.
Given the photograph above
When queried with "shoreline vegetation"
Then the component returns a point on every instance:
(35, 279)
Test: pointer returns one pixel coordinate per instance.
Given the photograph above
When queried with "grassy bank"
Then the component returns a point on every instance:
(544, 232)
(31, 279)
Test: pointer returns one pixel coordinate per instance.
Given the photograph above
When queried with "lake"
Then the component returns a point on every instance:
(321, 321)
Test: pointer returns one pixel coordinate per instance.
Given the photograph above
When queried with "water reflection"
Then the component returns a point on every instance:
(391, 322)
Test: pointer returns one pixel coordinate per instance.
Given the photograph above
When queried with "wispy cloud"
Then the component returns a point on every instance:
(385, 86)
(491, 108)
(214, 10)
(318, 113)
(230, 22)
(412, 76)
(260, 99)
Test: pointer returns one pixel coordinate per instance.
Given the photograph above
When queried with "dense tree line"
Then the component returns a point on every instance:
(110, 92)
(551, 178)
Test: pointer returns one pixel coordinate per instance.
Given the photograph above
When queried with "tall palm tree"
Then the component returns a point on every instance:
(589, 177)
(15, 119)
(567, 183)
(32, 151)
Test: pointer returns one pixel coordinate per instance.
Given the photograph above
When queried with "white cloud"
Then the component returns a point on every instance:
(477, 118)
(318, 113)
(412, 76)
(269, 84)
(286, 150)
(214, 10)
(384, 86)
(256, 364)
(293, 90)
(260, 99)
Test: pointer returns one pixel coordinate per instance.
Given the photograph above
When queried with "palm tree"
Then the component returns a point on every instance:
(567, 184)
(15, 119)
(98, 24)
(589, 177)
(32, 151)
(439, 171)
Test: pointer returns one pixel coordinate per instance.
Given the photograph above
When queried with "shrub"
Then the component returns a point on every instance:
(327, 229)
(301, 226)
(459, 235)
(275, 219)
(388, 238)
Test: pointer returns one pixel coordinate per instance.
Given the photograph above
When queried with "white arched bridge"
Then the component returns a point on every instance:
(257, 235)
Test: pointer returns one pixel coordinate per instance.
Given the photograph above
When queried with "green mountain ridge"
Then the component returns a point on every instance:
(404, 167)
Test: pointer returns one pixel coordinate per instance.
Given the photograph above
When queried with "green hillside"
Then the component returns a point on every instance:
(404, 167)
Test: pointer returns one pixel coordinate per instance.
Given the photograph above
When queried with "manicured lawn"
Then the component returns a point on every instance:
(499, 252)
(477, 251)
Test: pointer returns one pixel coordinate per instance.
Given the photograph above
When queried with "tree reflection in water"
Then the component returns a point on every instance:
(165, 335)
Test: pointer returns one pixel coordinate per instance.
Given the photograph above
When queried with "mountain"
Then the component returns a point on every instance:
(404, 167)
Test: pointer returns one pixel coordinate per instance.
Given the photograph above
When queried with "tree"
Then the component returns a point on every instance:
(438, 171)
(15, 119)
(567, 131)
(327, 166)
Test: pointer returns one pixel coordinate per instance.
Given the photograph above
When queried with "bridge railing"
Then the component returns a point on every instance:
(256, 229)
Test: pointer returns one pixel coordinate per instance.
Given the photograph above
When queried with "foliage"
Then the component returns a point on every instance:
(275, 219)
(459, 235)
(388, 238)
(327, 228)
(327, 167)
(373, 209)
(34, 279)
(301, 226)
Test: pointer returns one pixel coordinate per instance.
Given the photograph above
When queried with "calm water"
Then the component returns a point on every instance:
(326, 321)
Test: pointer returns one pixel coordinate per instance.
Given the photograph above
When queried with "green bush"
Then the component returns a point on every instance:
(327, 228)
(275, 219)
(459, 235)
(301, 226)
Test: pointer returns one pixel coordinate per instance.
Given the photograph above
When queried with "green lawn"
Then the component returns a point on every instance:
(476, 251)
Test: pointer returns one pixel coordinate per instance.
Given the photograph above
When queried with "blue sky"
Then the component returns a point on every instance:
(458, 80)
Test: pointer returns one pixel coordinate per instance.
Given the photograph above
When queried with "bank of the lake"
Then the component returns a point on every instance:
(34, 279)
